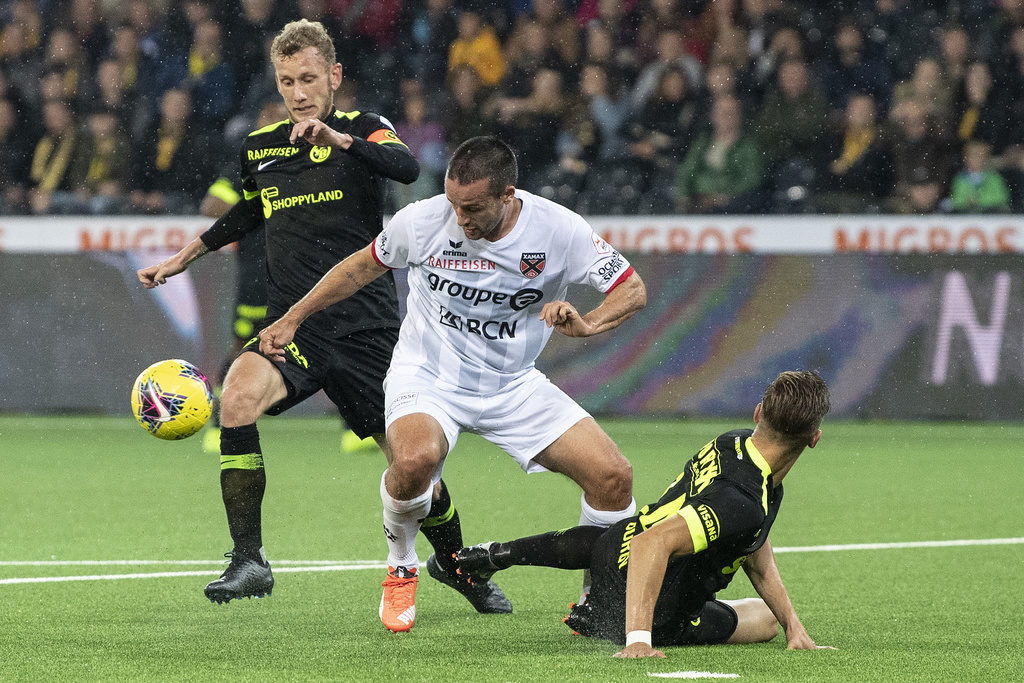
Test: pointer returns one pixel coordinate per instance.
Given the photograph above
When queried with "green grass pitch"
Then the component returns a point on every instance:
(80, 489)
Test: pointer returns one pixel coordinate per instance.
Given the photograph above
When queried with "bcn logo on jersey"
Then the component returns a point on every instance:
(269, 195)
(488, 329)
(517, 301)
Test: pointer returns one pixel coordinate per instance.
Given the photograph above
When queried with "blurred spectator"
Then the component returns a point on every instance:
(245, 48)
(426, 142)
(99, 169)
(786, 44)
(723, 169)
(211, 80)
(978, 113)
(531, 52)
(564, 35)
(530, 124)
(592, 133)
(171, 173)
(670, 52)
(428, 28)
(928, 88)
(791, 123)
(20, 59)
(128, 105)
(850, 70)
(619, 61)
(901, 32)
(477, 46)
(663, 129)
(657, 16)
(89, 31)
(922, 148)
(1008, 75)
(462, 113)
(955, 53)
(51, 158)
(64, 57)
(14, 162)
(617, 16)
(860, 175)
(979, 188)
(922, 193)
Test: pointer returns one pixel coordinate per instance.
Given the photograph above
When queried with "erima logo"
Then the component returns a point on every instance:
(264, 164)
(455, 246)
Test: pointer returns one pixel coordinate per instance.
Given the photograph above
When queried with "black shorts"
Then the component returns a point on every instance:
(349, 369)
(603, 615)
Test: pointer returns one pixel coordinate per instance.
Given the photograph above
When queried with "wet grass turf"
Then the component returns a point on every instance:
(86, 488)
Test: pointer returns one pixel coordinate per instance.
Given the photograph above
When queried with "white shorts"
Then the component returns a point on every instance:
(522, 420)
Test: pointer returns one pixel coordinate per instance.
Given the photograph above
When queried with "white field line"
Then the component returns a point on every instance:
(290, 566)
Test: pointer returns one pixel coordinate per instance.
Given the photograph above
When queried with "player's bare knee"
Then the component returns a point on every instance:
(611, 487)
(410, 472)
(238, 407)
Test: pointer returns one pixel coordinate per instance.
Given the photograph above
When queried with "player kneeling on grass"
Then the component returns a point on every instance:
(655, 575)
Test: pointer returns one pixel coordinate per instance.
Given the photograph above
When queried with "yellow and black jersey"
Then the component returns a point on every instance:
(725, 494)
(319, 205)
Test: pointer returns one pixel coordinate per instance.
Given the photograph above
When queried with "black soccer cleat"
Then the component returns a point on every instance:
(477, 560)
(482, 593)
(245, 577)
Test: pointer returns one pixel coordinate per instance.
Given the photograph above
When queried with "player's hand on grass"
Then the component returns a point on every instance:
(274, 338)
(638, 650)
(802, 641)
(316, 132)
(564, 317)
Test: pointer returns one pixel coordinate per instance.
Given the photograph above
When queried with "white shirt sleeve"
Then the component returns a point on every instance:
(395, 246)
(593, 261)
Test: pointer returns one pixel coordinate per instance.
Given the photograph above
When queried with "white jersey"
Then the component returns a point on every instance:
(472, 319)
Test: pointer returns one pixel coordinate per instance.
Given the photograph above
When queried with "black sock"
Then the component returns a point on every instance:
(242, 483)
(565, 549)
(443, 529)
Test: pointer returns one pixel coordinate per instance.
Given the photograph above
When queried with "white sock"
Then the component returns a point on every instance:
(591, 517)
(402, 520)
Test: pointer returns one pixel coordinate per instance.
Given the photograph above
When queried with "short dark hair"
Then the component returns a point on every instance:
(296, 36)
(794, 404)
(486, 156)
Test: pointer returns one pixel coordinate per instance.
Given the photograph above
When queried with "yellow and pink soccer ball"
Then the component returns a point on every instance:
(172, 399)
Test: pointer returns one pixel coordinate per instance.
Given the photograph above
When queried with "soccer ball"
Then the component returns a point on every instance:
(172, 399)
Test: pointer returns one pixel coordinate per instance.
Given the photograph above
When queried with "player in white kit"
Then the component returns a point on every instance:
(489, 267)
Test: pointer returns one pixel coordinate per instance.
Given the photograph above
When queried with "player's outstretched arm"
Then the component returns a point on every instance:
(618, 306)
(649, 553)
(764, 576)
(151, 276)
(340, 282)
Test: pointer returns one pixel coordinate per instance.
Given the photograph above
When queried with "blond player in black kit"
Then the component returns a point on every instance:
(316, 181)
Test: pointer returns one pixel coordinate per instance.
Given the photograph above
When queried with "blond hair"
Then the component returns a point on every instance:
(296, 36)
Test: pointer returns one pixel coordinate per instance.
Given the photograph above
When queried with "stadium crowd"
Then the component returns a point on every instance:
(615, 106)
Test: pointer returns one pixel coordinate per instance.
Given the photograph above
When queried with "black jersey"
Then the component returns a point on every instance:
(726, 496)
(319, 205)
